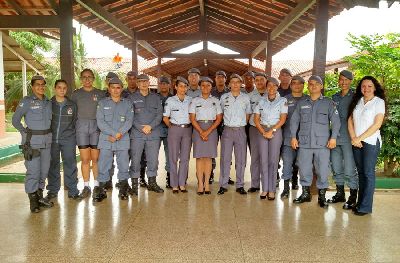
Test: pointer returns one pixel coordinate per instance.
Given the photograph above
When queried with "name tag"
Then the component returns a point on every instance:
(107, 108)
(306, 107)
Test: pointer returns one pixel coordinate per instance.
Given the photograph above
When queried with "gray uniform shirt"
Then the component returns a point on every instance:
(292, 102)
(255, 97)
(342, 105)
(316, 122)
(177, 110)
(270, 111)
(205, 109)
(193, 93)
(235, 109)
(217, 94)
(87, 102)
(37, 115)
(112, 118)
(163, 126)
(148, 111)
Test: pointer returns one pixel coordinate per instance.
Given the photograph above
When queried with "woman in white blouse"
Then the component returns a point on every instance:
(366, 114)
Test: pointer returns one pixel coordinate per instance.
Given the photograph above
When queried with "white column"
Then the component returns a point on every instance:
(24, 88)
(2, 102)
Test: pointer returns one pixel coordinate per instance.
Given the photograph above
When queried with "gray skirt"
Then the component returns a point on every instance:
(205, 149)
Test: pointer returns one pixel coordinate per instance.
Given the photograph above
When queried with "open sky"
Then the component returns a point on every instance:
(357, 21)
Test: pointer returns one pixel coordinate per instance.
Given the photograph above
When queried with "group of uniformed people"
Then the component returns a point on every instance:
(274, 118)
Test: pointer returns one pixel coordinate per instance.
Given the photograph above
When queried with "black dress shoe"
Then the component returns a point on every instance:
(175, 191)
(358, 213)
(222, 191)
(263, 196)
(207, 192)
(200, 193)
(270, 198)
(230, 181)
(241, 191)
(183, 190)
(253, 189)
(75, 197)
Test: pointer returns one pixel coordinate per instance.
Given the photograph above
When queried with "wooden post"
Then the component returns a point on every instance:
(134, 55)
(66, 44)
(2, 102)
(268, 58)
(158, 69)
(321, 38)
(250, 64)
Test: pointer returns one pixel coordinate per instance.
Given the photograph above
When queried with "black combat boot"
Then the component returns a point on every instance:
(167, 184)
(352, 202)
(108, 185)
(99, 193)
(286, 189)
(44, 202)
(153, 186)
(295, 178)
(123, 189)
(142, 180)
(321, 198)
(211, 180)
(339, 196)
(135, 185)
(34, 202)
(304, 197)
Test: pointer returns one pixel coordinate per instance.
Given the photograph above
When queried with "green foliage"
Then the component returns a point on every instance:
(33, 43)
(331, 84)
(379, 56)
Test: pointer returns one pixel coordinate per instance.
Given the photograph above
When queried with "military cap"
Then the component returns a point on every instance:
(143, 77)
(299, 78)
(37, 77)
(273, 80)
(347, 74)
(111, 75)
(316, 78)
(249, 73)
(258, 74)
(235, 76)
(131, 74)
(164, 79)
(115, 81)
(287, 71)
(220, 73)
(194, 70)
(181, 79)
(206, 79)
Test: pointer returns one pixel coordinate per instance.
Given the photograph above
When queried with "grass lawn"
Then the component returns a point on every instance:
(9, 127)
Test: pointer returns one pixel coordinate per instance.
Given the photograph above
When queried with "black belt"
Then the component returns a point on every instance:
(205, 121)
(182, 125)
(40, 132)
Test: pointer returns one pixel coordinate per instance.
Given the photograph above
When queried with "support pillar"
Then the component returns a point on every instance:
(158, 69)
(250, 64)
(321, 38)
(2, 102)
(268, 58)
(134, 55)
(66, 44)
(24, 88)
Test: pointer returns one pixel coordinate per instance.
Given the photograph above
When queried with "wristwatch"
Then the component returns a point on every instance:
(274, 130)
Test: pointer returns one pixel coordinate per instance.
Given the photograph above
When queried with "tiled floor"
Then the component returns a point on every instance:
(191, 228)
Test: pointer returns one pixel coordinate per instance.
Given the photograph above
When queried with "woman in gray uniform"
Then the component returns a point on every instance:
(87, 133)
(176, 117)
(205, 115)
(269, 116)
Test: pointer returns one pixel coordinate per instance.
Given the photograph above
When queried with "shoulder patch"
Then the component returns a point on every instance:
(21, 104)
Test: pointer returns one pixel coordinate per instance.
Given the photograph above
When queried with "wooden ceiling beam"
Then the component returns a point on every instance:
(29, 22)
(151, 36)
(206, 55)
(215, 14)
(296, 12)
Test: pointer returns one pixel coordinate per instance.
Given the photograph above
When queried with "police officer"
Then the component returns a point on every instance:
(269, 116)
(205, 115)
(36, 141)
(145, 133)
(236, 109)
(311, 121)
(285, 76)
(289, 155)
(131, 81)
(176, 117)
(114, 119)
(64, 142)
(164, 92)
(219, 90)
(87, 133)
(193, 78)
(343, 165)
(254, 134)
(249, 79)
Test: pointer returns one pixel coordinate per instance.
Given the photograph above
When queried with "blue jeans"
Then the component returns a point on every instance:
(343, 166)
(365, 159)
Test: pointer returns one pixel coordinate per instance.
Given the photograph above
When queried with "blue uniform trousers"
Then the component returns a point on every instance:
(68, 154)
(343, 166)
(320, 158)
(37, 170)
(105, 161)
